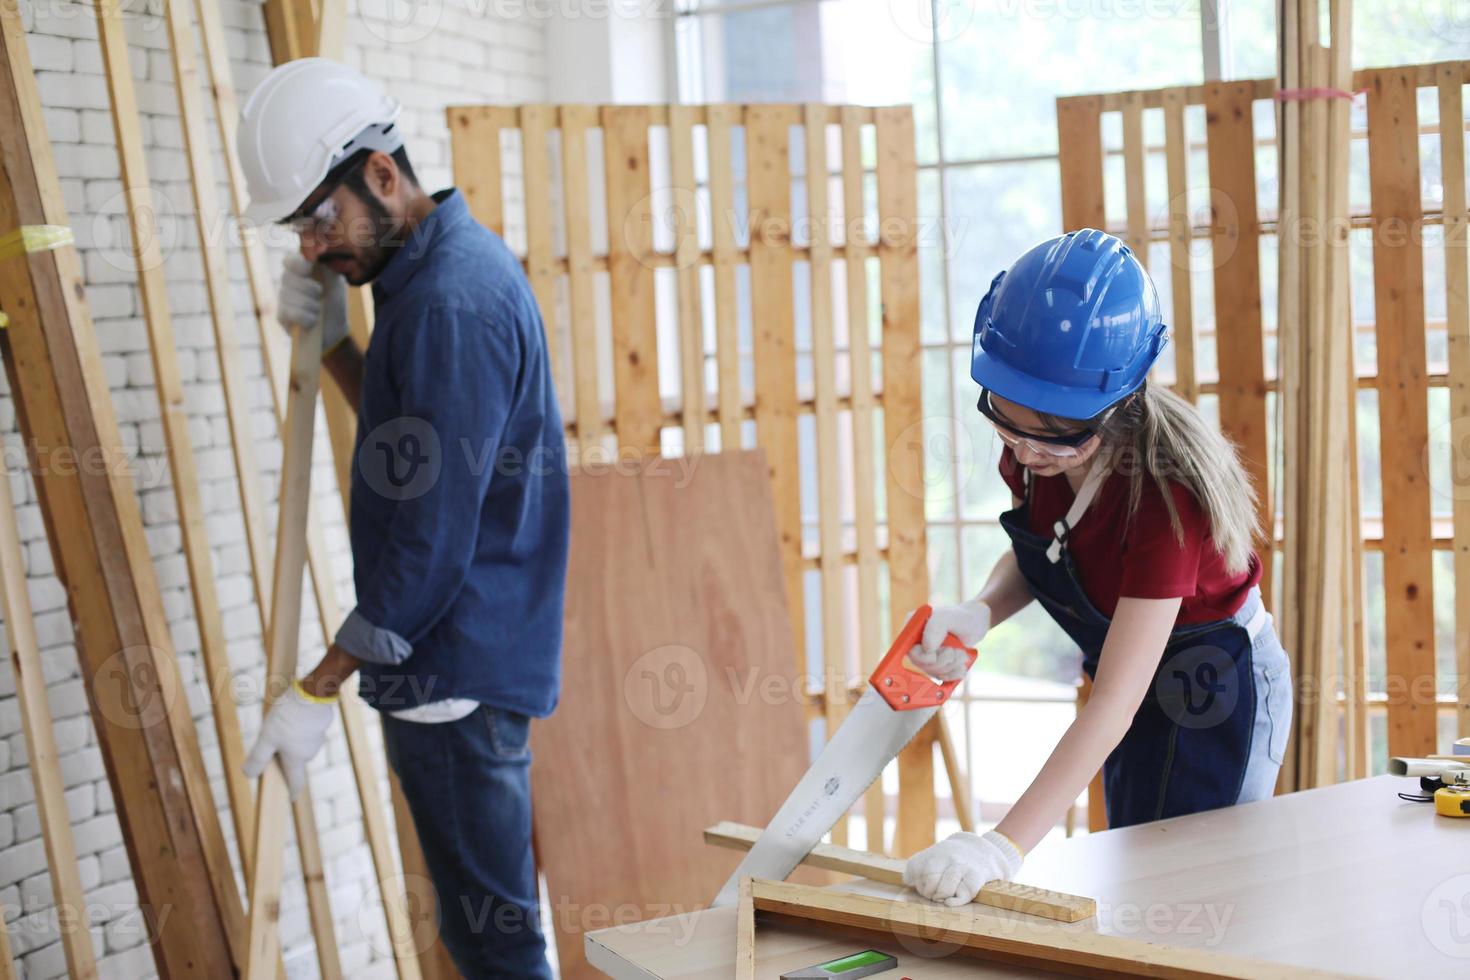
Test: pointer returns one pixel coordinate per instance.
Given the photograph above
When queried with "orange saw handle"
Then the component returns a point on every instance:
(906, 689)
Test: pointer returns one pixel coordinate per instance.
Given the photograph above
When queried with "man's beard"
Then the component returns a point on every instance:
(372, 259)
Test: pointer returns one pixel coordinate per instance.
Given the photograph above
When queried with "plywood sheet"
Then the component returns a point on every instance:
(679, 702)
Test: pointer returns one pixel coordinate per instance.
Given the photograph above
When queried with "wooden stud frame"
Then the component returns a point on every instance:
(708, 403)
(1407, 535)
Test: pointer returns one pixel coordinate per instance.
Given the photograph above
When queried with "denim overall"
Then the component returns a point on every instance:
(1212, 730)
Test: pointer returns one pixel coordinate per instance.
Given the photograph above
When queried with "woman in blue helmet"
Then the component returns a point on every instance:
(1133, 524)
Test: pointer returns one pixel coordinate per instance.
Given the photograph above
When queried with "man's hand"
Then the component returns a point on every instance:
(968, 621)
(294, 729)
(954, 870)
(302, 300)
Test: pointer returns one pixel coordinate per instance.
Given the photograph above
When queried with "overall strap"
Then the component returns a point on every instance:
(1095, 476)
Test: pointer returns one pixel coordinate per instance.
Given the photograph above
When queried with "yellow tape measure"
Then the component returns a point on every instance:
(1452, 801)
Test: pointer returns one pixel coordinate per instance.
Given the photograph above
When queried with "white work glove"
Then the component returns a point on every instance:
(294, 729)
(954, 870)
(302, 299)
(968, 621)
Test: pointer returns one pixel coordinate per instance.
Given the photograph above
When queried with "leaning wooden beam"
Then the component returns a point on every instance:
(170, 826)
(173, 414)
(285, 634)
(831, 857)
(35, 715)
(217, 286)
(1038, 945)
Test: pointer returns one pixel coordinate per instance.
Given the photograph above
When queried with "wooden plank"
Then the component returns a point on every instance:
(1235, 236)
(1079, 154)
(536, 123)
(679, 635)
(1133, 177)
(959, 786)
(877, 867)
(125, 651)
(217, 287)
(221, 680)
(768, 174)
(685, 210)
(1039, 946)
(638, 410)
(285, 634)
(903, 425)
(173, 415)
(829, 488)
(745, 933)
(1398, 293)
(1457, 315)
(40, 739)
(722, 120)
(1181, 286)
(474, 140)
(575, 121)
(865, 473)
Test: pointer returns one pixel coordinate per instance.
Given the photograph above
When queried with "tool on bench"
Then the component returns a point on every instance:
(868, 963)
(1444, 780)
(898, 703)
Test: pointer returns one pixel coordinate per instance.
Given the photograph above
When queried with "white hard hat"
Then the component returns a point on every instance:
(306, 117)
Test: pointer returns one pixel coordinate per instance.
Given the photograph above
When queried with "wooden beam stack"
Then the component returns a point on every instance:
(1322, 556)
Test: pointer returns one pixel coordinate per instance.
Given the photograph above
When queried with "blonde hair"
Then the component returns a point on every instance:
(1156, 434)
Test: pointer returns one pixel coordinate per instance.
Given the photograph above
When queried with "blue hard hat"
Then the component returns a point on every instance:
(1071, 328)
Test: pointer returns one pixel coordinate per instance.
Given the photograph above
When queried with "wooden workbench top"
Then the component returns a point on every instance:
(1346, 878)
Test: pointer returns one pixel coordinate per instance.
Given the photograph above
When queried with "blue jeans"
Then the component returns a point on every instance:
(468, 786)
(1272, 674)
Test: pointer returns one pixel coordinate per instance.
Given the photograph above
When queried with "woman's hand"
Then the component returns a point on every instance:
(954, 870)
(968, 622)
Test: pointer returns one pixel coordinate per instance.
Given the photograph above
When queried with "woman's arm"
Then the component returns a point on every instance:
(1130, 655)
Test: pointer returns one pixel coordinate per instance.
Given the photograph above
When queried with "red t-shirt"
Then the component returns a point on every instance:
(1140, 557)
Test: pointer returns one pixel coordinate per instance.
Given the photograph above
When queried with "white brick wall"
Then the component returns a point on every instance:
(459, 51)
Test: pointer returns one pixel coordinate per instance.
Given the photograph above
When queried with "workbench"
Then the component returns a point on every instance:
(1346, 879)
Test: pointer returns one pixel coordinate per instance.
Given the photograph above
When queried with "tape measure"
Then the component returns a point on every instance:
(1452, 801)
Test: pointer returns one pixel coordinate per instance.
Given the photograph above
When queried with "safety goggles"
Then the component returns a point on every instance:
(1061, 445)
(316, 221)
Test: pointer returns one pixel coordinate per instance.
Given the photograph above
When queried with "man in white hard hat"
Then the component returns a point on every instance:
(459, 502)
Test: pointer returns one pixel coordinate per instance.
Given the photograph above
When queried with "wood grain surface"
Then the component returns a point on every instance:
(679, 699)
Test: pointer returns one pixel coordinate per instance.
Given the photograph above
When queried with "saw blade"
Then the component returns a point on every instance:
(866, 741)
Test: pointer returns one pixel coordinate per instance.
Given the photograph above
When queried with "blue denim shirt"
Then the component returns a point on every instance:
(460, 506)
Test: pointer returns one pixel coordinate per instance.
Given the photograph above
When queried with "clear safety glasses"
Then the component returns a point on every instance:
(1064, 445)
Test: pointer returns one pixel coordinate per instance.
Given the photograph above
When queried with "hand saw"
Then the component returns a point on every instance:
(898, 702)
